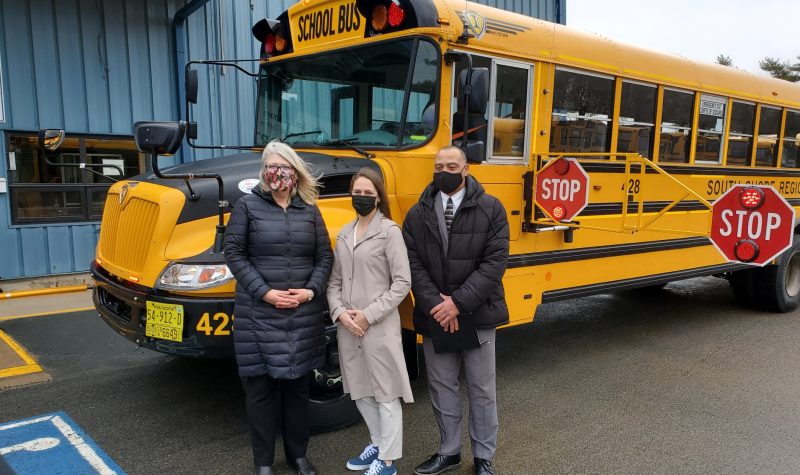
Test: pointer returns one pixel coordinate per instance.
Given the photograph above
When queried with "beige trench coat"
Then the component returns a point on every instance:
(372, 276)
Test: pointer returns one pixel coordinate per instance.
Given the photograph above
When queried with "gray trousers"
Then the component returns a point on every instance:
(479, 372)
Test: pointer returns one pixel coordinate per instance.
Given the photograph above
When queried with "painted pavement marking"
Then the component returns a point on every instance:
(30, 365)
(52, 444)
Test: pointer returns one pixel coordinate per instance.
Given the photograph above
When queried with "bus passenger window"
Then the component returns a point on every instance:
(510, 111)
(791, 140)
(637, 119)
(676, 126)
(710, 126)
(740, 137)
(582, 108)
(769, 126)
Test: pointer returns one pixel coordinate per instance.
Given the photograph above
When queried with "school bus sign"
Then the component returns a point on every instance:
(752, 224)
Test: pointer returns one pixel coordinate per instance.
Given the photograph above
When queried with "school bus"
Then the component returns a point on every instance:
(387, 83)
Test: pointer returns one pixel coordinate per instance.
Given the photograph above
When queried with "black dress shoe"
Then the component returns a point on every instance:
(438, 464)
(302, 465)
(264, 470)
(483, 467)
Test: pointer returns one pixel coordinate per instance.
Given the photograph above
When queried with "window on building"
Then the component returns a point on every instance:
(676, 126)
(54, 187)
(769, 126)
(637, 113)
(582, 109)
(740, 136)
(710, 126)
(791, 140)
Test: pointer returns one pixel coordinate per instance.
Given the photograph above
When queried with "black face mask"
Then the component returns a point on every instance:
(447, 182)
(364, 204)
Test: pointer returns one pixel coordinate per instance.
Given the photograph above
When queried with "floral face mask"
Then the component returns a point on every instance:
(280, 177)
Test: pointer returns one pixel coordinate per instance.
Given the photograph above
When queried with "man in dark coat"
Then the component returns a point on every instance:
(457, 239)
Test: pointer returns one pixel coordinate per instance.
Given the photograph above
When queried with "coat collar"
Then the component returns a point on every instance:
(349, 230)
(295, 202)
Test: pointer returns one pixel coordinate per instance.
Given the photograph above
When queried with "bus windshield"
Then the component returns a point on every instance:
(380, 95)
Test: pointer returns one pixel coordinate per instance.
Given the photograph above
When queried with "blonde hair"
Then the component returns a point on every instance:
(307, 184)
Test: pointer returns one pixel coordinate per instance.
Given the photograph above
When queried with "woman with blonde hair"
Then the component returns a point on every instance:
(278, 249)
(370, 278)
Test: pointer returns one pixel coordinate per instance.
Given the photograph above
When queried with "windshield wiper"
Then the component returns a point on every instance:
(347, 144)
(298, 134)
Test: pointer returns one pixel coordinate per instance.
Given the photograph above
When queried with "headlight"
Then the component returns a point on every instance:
(193, 276)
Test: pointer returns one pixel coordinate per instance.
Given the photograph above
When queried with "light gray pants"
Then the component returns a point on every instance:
(385, 423)
(479, 372)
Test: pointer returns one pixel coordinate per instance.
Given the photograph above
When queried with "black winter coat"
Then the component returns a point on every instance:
(476, 260)
(269, 248)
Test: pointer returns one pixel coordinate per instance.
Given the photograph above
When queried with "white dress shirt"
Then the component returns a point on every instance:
(457, 198)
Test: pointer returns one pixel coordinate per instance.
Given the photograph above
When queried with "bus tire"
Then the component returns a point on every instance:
(779, 289)
(330, 408)
(332, 414)
(743, 287)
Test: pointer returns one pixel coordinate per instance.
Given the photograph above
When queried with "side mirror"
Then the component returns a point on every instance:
(158, 138)
(191, 85)
(51, 139)
(475, 151)
(479, 90)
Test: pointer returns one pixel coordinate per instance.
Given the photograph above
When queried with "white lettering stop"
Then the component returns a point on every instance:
(753, 225)
(560, 189)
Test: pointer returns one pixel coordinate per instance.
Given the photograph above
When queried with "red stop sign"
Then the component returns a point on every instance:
(562, 189)
(752, 224)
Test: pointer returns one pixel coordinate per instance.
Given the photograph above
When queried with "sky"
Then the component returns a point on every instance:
(746, 31)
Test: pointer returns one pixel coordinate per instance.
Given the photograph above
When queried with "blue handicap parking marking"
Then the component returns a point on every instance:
(52, 444)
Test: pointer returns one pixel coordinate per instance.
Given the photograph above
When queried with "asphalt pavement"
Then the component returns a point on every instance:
(679, 380)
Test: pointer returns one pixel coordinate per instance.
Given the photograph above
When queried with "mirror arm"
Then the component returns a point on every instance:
(222, 204)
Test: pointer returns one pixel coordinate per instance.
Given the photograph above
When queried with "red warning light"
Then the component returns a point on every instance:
(558, 212)
(751, 198)
(746, 250)
(561, 166)
(396, 15)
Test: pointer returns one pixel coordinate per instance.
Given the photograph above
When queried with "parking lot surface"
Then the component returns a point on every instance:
(678, 380)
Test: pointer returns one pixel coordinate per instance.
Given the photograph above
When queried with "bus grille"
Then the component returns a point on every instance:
(125, 234)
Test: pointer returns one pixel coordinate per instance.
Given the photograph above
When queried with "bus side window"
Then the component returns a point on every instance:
(582, 107)
(676, 126)
(637, 118)
(791, 140)
(769, 126)
(740, 137)
(710, 126)
(510, 111)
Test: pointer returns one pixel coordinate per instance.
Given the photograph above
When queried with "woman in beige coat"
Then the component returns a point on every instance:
(370, 278)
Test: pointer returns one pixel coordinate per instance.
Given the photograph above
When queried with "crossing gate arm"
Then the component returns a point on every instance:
(538, 219)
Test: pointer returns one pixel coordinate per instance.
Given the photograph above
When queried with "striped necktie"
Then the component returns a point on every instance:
(448, 214)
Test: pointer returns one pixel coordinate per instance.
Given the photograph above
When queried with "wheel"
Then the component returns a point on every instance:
(743, 286)
(329, 407)
(778, 285)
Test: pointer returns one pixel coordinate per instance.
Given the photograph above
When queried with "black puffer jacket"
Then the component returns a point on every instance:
(476, 258)
(269, 248)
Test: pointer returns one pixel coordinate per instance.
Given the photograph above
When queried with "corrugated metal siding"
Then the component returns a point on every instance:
(97, 66)
(545, 9)
(87, 66)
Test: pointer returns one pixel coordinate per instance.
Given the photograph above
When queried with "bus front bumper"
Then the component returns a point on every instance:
(122, 306)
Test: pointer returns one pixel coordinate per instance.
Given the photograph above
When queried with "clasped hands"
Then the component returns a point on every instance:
(446, 314)
(354, 321)
(291, 298)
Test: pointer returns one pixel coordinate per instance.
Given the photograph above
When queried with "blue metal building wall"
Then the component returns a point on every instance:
(97, 66)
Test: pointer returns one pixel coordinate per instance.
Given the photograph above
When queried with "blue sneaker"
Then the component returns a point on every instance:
(378, 467)
(363, 461)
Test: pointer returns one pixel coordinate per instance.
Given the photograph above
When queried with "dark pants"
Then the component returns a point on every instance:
(269, 401)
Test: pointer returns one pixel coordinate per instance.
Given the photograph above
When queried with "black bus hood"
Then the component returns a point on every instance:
(238, 171)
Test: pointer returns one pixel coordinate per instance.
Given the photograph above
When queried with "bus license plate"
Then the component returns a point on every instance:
(164, 321)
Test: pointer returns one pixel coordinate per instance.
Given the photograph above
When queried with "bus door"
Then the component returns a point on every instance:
(499, 127)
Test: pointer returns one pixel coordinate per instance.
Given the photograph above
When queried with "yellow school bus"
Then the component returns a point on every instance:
(387, 83)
